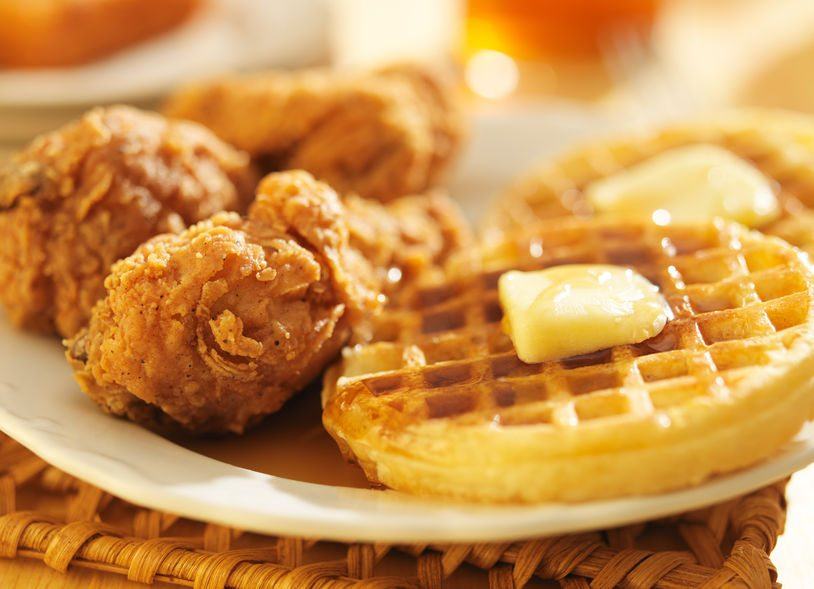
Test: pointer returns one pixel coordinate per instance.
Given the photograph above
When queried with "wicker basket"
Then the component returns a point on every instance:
(55, 518)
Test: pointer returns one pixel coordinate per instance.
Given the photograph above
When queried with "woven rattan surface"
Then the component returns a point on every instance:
(54, 518)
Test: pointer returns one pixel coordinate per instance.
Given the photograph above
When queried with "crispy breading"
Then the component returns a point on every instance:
(433, 90)
(215, 327)
(411, 238)
(381, 135)
(78, 199)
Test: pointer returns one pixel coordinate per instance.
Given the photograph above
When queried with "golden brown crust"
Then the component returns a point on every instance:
(413, 238)
(221, 324)
(381, 135)
(79, 198)
(433, 91)
(216, 327)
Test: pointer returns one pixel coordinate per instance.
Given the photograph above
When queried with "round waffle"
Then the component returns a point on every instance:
(780, 144)
(439, 404)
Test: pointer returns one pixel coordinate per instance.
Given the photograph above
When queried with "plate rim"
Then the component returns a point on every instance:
(446, 522)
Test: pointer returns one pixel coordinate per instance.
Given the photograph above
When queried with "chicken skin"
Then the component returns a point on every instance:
(380, 135)
(218, 326)
(410, 239)
(434, 95)
(78, 199)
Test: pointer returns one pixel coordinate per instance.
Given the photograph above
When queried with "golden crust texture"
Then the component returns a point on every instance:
(380, 135)
(215, 327)
(439, 404)
(80, 198)
(411, 239)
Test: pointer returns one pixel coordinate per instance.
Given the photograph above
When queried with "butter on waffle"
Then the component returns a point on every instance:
(780, 144)
(439, 404)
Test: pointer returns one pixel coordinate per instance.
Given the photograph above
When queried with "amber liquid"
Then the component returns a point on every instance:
(291, 444)
(540, 29)
(560, 46)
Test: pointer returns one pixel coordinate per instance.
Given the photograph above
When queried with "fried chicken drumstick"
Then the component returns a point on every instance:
(216, 327)
(80, 198)
(381, 135)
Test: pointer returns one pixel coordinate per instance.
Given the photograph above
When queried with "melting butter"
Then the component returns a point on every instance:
(580, 308)
(688, 184)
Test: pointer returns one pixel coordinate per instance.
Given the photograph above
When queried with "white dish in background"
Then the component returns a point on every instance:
(42, 407)
(224, 35)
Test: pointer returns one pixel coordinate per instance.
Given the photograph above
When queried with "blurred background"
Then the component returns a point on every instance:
(653, 57)
(537, 74)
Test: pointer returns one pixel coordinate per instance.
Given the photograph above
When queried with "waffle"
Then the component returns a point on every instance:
(779, 144)
(439, 404)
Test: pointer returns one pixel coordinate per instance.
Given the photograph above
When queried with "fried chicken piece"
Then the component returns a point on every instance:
(434, 92)
(411, 238)
(381, 135)
(78, 199)
(217, 327)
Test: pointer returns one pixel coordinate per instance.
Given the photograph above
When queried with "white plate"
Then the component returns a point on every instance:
(223, 35)
(309, 491)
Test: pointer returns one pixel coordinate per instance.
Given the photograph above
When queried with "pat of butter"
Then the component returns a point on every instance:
(580, 308)
(688, 184)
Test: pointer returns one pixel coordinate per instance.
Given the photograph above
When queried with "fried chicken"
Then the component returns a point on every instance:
(212, 329)
(78, 199)
(381, 135)
(411, 238)
(434, 94)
